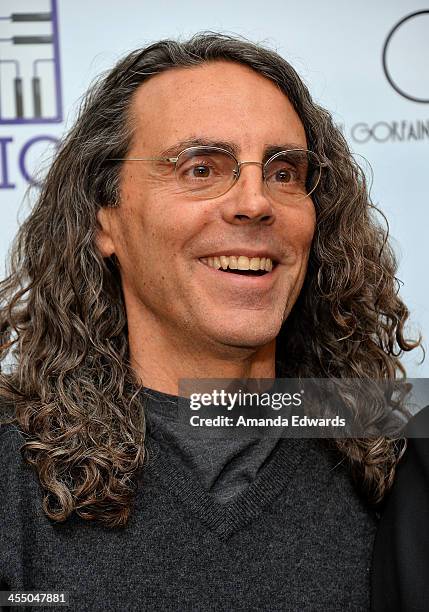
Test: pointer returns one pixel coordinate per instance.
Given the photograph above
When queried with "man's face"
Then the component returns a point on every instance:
(160, 234)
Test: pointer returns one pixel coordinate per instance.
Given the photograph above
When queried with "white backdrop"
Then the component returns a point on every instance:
(48, 59)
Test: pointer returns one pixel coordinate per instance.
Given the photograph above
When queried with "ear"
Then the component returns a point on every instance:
(104, 234)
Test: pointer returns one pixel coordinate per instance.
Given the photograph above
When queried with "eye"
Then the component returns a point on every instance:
(202, 168)
(280, 173)
(200, 171)
(285, 175)
(287, 170)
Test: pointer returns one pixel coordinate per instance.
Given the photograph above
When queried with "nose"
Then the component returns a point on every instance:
(247, 202)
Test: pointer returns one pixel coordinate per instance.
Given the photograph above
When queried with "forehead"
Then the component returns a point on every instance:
(219, 100)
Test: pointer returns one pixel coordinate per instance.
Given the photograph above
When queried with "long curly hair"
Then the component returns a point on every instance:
(67, 380)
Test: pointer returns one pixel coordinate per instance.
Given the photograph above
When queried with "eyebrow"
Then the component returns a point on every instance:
(269, 149)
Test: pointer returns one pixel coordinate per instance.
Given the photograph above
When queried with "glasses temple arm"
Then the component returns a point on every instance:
(165, 159)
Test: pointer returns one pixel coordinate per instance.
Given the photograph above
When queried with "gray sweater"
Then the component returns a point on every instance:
(293, 535)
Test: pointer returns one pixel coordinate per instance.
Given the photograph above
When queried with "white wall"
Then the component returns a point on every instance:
(337, 48)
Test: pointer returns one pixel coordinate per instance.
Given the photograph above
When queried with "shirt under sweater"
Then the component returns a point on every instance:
(224, 466)
(296, 536)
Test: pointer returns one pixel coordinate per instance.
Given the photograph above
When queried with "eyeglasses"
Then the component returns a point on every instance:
(207, 172)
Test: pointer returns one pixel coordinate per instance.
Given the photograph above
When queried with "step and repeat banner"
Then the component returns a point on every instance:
(367, 62)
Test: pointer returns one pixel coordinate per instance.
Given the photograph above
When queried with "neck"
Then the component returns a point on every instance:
(161, 359)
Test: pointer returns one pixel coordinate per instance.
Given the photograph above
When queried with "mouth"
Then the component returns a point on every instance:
(241, 265)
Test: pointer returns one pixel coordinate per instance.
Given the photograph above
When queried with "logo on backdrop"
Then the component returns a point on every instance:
(30, 83)
(405, 55)
(391, 131)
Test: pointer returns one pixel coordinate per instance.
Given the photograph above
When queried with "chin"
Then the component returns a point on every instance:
(248, 336)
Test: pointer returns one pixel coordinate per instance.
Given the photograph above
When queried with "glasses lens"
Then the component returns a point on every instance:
(292, 173)
(206, 171)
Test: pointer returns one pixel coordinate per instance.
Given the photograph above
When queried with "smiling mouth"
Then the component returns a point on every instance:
(242, 265)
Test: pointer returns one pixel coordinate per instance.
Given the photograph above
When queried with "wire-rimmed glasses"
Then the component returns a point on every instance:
(206, 172)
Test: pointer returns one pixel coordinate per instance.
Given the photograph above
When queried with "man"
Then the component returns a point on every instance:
(190, 166)
(399, 578)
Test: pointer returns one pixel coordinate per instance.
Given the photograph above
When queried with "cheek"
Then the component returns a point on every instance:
(154, 232)
(299, 228)
(309, 228)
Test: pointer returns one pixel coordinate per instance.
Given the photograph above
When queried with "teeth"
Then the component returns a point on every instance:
(243, 263)
(239, 263)
(232, 264)
(254, 263)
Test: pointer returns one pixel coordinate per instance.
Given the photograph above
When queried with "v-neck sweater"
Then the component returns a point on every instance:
(297, 538)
